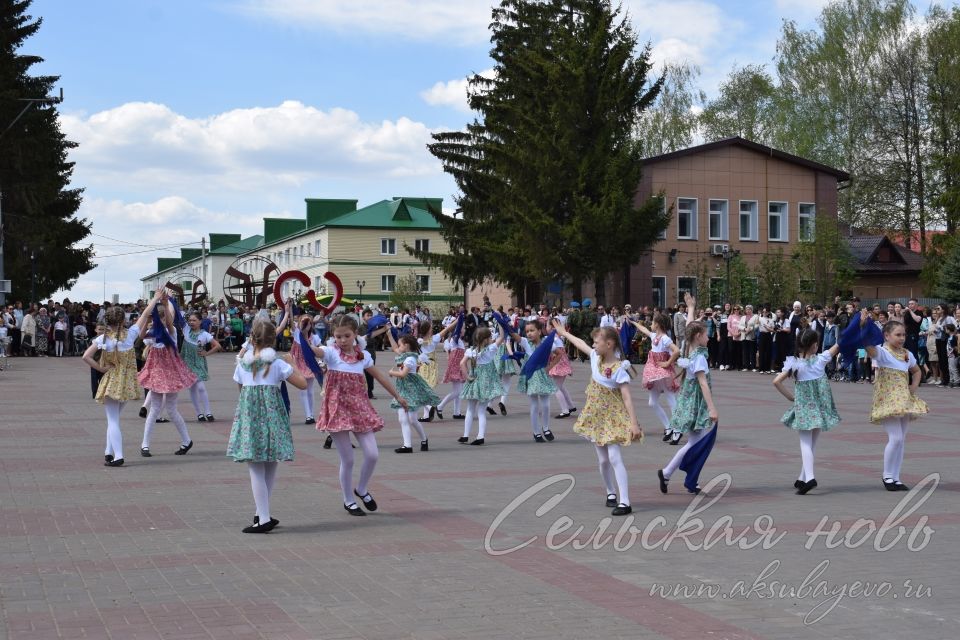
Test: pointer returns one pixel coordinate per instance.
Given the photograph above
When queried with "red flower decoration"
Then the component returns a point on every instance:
(608, 372)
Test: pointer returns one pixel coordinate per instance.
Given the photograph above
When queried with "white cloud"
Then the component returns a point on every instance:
(452, 93)
(452, 21)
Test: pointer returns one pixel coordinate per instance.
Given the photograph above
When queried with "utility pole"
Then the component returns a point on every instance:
(203, 261)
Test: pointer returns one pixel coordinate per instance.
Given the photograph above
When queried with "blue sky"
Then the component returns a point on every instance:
(198, 116)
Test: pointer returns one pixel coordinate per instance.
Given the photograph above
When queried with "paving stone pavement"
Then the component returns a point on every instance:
(154, 549)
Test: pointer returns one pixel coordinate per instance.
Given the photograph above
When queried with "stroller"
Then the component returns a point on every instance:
(80, 340)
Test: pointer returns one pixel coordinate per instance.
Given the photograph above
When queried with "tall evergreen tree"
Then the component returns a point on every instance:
(38, 204)
(549, 170)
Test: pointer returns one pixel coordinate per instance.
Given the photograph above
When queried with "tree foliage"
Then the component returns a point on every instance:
(39, 206)
(825, 262)
(671, 122)
(745, 106)
(949, 281)
(776, 279)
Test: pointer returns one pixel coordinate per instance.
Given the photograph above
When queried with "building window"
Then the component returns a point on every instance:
(388, 283)
(319, 286)
(686, 285)
(663, 211)
(659, 290)
(294, 254)
(422, 244)
(388, 247)
(316, 248)
(286, 257)
(777, 221)
(423, 284)
(805, 228)
(687, 218)
(719, 220)
(748, 220)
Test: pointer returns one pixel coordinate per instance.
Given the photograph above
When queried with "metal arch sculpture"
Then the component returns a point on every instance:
(242, 288)
(311, 296)
(198, 288)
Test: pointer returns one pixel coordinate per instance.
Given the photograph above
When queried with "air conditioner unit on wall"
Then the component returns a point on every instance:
(719, 249)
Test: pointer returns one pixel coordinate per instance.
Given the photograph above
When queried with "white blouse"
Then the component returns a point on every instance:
(889, 361)
(484, 356)
(426, 348)
(661, 344)
(808, 368)
(451, 344)
(694, 365)
(619, 377)
(528, 347)
(278, 372)
(110, 344)
(314, 339)
(205, 337)
(335, 362)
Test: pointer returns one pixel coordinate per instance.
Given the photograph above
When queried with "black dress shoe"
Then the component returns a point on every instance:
(478, 442)
(573, 409)
(621, 510)
(889, 484)
(806, 486)
(161, 420)
(424, 445)
(368, 502)
(114, 463)
(429, 418)
(309, 421)
(561, 416)
(354, 510)
(663, 481)
(463, 440)
(797, 484)
(611, 499)
(491, 411)
(538, 438)
(459, 416)
(403, 450)
(107, 457)
(145, 452)
(548, 435)
(182, 451)
(201, 417)
(503, 409)
(676, 438)
(439, 413)
(258, 528)
(666, 436)
(210, 419)
(328, 442)
(143, 412)
(900, 486)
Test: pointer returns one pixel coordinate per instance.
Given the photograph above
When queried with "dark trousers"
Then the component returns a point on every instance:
(749, 359)
(942, 361)
(764, 342)
(95, 377)
(14, 342)
(736, 354)
(713, 350)
(912, 343)
(373, 356)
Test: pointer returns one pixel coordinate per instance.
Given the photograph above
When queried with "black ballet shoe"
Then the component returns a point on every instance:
(107, 457)
(354, 510)
(258, 528)
(459, 416)
(114, 463)
(403, 450)
(182, 451)
(145, 452)
(439, 413)
(666, 436)
(797, 484)
(889, 484)
(900, 486)
(143, 412)
(463, 440)
(675, 439)
(210, 419)
(201, 417)
(309, 421)
(369, 505)
(328, 442)
(611, 499)
(806, 486)
(548, 435)
(561, 416)
(478, 442)
(621, 510)
(663, 481)
(695, 490)
(429, 418)
(161, 420)
(573, 409)
(424, 445)
(538, 438)
(491, 411)
(503, 408)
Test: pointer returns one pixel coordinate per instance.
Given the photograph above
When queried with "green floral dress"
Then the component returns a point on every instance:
(190, 351)
(483, 383)
(261, 424)
(691, 412)
(813, 406)
(539, 383)
(412, 388)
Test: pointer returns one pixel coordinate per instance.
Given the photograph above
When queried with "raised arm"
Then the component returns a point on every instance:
(287, 314)
(642, 329)
(582, 346)
(145, 316)
(691, 303)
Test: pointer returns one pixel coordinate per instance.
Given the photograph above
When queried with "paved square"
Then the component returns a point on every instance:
(154, 549)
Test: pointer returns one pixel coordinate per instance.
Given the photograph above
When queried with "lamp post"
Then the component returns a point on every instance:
(360, 285)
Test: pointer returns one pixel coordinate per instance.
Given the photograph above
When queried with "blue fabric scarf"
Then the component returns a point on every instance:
(540, 356)
(855, 337)
(309, 358)
(159, 331)
(627, 334)
(458, 330)
(696, 456)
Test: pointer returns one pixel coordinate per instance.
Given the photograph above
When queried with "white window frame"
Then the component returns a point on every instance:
(384, 282)
(422, 244)
(662, 302)
(724, 219)
(663, 211)
(693, 223)
(419, 277)
(811, 218)
(386, 244)
(784, 216)
(316, 248)
(693, 291)
(753, 234)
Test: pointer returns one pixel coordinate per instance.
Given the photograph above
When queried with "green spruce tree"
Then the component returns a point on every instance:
(39, 206)
(950, 275)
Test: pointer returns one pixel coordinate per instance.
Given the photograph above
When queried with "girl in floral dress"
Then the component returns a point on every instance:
(165, 375)
(412, 388)
(455, 347)
(260, 435)
(538, 387)
(304, 325)
(695, 413)
(607, 419)
(483, 383)
(813, 408)
(346, 408)
(119, 368)
(506, 366)
(428, 369)
(559, 369)
(197, 345)
(659, 376)
(895, 401)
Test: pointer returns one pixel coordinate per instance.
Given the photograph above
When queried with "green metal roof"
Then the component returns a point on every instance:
(187, 255)
(237, 248)
(409, 213)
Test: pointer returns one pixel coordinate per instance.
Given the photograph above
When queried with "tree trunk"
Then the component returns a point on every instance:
(600, 290)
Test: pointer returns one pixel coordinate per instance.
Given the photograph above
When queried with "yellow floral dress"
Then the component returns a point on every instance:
(891, 389)
(604, 419)
(120, 382)
(429, 370)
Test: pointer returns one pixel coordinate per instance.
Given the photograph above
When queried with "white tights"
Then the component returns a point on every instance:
(506, 381)
(368, 444)
(474, 410)
(692, 438)
(199, 398)
(539, 414)
(157, 403)
(114, 437)
(563, 396)
(59, 348)
(893, 452)
(808, 446)
(456, 388)
(611, 466)
(654, 403)
(408, 418)
(262, 477)
(306, 397)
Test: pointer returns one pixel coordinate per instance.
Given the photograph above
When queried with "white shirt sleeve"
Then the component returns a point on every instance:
(623, 373)
(698, 364)
(282, 367)
(411, 364)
